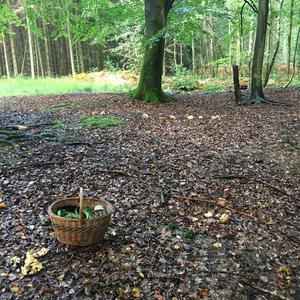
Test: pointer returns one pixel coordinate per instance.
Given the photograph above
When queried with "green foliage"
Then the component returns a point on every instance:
(59, 124)
(87, 211)
(188, 233)
(172, 225)
(30, 87)
(101, 122)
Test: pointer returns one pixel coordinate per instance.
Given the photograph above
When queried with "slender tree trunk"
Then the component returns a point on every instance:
(270, 66)
(149, 87)
(6, 58)
(181, 55)
(193, 56)
(250, 46)
(289, 38)
(175, 55)
(294, 59)
(81, 59)
(30, 49)
(256, 91)
(71, 52)
(47, 50)
(13, 51)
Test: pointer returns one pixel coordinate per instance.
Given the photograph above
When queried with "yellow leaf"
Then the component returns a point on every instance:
(14, 260)
(136, 293)
(224, 218)
(41, 252)
(15, 288)
(32, 265)
(145, 116)
(2, 205)
(176, 247)
(284, 270)
(190, 117)
(215, 117)
(209, 214)
(217, 245)
(172, 117)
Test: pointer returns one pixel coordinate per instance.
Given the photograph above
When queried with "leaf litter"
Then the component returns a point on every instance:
(206, 198)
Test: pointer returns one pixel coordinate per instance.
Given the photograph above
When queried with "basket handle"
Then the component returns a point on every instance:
(81, 205)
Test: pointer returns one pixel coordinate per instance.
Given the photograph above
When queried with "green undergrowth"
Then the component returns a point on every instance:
(32, 87)
(101, 122)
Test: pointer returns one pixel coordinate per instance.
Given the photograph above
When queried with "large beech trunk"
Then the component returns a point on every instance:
(149, 87)
(256, 92)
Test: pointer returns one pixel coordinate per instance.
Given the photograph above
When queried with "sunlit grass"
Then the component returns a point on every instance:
(32, 87)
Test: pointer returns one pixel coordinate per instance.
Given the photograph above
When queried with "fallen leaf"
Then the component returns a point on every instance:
(216, 117)
(176, 247)
(14, 261)
(209, 214)
(284, 271)
(32, 265)
(15, 288)
(190, 117)
(172, 117)
(2, 205)
(41, 252)
(217, 245)
(145, 116)
(224, 218)
(136, 293)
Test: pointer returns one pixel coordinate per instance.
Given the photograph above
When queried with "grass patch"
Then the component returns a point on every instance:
(33, 87)
(101, 122)
(59, 124)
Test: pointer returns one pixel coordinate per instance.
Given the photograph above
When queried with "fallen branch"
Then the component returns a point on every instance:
(241, 213)
(272, 293)
(37, 165)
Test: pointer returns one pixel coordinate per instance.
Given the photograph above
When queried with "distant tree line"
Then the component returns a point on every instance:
(203, 37)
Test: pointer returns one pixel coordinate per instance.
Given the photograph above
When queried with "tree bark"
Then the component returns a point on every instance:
(149, 88)
(6, 58)
(256, 91)
(271, 64)
(30, 49)
(13, 51)
(289, 39)
(71, 52)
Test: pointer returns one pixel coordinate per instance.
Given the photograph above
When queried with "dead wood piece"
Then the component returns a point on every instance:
(244, 214)
(37, 165)
(272, 293)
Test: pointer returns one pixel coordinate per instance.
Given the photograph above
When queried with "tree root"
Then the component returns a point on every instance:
(149, 96)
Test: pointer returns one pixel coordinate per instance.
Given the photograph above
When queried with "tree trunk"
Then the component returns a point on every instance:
(30, 49)
(294, 59)
(289, 39)
(6, 58)
(71, 49)
(193, 56)
(270, 66)
(13, 51)
(256, 91)
(149, 87)
(47, 50)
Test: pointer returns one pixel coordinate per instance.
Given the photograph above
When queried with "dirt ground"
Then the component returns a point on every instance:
(206, 197)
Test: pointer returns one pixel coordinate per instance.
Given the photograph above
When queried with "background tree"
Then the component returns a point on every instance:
(256, 90)
(149, 87)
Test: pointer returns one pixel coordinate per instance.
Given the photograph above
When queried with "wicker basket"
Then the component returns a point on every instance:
(80, 232)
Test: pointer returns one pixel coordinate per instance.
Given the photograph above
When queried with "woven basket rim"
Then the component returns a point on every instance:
(52, 214)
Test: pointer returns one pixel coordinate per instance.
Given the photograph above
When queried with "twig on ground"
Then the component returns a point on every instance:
(272, 293)
(220, 205)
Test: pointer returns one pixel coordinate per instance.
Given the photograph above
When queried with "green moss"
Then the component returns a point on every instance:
(149, 96)
(101, 122)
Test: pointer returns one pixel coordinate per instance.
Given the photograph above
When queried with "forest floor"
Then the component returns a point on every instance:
(206, 197)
